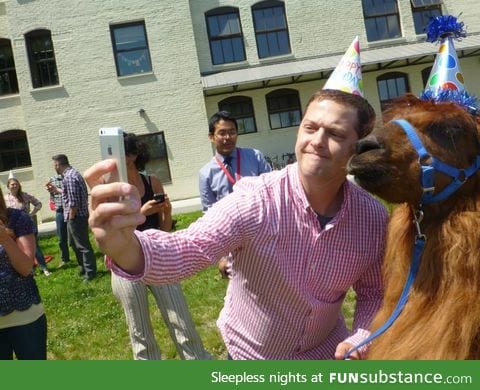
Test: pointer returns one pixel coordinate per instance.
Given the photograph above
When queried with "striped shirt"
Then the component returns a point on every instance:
(74, 193)
(290, 275)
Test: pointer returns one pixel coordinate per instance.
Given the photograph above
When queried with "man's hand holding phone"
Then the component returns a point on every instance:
(115, 205)
(113, 223)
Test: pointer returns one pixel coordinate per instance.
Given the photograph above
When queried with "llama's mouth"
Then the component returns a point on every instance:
(368, 174)
(365, 163)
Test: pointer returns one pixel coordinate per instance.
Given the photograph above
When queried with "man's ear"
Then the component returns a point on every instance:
(210, 137)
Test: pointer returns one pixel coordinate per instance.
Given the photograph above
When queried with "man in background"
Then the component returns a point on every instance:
(228, 165)
(75, 214)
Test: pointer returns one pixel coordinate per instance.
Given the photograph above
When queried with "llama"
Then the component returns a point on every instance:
(441, 319)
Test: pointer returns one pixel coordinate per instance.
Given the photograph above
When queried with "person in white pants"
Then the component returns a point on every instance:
(133, 295)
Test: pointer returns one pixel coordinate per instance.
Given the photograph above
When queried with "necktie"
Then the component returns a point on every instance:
(227, 162)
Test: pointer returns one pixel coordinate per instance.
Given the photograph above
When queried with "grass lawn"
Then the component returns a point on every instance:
(86, 322)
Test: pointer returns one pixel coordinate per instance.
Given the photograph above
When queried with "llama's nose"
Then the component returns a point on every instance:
(366, 144)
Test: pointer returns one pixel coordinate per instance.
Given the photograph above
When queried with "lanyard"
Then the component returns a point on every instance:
(227, 173)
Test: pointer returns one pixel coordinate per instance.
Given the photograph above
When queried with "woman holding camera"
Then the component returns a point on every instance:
(169, 298)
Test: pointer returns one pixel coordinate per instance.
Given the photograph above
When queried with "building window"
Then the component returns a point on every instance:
(284, 108)
(390, 86)
(241, 108)
(225, 35)
(158, 163)
(41, 56)
(381, 19)
(130, 48)
(14, 152)
(425, 75)
(271, 29)
(8, 75)
(423, 10)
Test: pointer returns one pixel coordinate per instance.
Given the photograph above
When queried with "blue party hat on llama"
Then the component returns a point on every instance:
(446, 82)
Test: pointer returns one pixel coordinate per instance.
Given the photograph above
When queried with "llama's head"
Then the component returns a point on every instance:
(387, 164)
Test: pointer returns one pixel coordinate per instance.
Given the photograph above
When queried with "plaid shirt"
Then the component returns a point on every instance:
(57, 181)
(74, 193)
(290, 276)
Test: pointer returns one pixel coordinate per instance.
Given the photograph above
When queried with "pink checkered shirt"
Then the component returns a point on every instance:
(290, 276)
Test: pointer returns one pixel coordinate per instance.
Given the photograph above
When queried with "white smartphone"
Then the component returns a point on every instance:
(112, 146)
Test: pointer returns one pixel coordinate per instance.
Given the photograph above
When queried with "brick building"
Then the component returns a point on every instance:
(160, 69)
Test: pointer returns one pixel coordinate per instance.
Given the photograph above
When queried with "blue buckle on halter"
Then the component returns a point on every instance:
(428, 179)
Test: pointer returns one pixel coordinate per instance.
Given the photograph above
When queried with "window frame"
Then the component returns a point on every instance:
(425, 3)
(391, 76)
(14, 136)
(423, 10)
(225, 105)
(283, 93)
(385, 15)
(222, 11)
(270, 4)
(117, 52)
(9, 72)
(165, 178)
(35, 72)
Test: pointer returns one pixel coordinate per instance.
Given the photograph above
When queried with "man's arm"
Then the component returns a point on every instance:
(71, 189)
(159, 257)
(263, 165)
(207, 197)
(113, 223)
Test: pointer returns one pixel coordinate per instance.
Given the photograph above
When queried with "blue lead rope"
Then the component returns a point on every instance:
(417, 254)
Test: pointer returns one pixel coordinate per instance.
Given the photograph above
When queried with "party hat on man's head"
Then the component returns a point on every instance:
(446, 83)
(347, 76)
(11, 175)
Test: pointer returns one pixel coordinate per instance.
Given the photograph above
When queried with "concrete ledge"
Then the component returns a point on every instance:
(186, 206)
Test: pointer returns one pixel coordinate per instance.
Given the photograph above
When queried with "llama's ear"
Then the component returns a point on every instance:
(347, 76)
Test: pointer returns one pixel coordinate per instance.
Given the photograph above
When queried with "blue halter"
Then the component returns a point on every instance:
(459, 176)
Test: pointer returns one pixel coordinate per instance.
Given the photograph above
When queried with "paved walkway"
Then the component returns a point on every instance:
(178, 207)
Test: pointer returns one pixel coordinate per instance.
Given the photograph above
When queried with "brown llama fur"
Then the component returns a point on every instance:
(441, 319)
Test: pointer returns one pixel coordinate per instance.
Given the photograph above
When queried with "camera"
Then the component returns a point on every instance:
(159, 198)
(112, 146)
